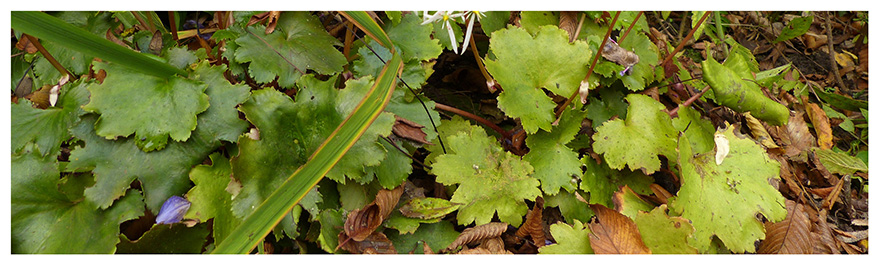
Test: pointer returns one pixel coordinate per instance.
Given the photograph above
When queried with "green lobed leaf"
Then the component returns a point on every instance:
(731, 89)
(796, 27)
(664, 234)
(532, 21)
(413, 39)
(151, 108)
(437, 236)
(394, 169)
(570, 239)
(571, 208)
(49, 216)
(551, 63)
(428, 208)
(166, 239)
(601, 181)
(331, 222)
(446, 129)
(406, 225)
(299, 39)
(491, 180)
(554, 163)
(699, 130)
(415, 72)
(839, 163)
(611, 104)
(642, 72)
(162, 173)
(209, 197)
(48, 127)
(636, 141)
(493, 21)
(722, 200)
(629, 203)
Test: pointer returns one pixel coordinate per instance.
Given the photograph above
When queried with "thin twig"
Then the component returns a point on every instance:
(591, 67)
(686, 39)
(833, 64)
(620, 40)
(498, 129)
(404, 152)
(674, 113)
(579, 26)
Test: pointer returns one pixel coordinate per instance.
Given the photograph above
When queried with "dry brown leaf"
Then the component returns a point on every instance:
(40, 98)
(568, 22)
(791, 235)
(409, 130)
(473, 234)
(660, 192)
(533, 225)
(272, 21)
(822, 125)
(834, 194)
(362, 222)
(258, 18)
(375, 243)
(799, 136)
(759, 132)
(614, 233)
(494, 245)
(25, 44)
(473, 251)
(824, 241)
(614, 53)
(156, 43)
(426, 248)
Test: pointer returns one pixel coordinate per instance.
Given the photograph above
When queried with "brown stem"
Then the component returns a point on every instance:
(833, 64)
(673, 113)
(48, 56)
(620, 40)
(142, 23)
(404, 152)
(173, 20)
(686, 39)
(579, 26)
(591, 67)
(488, 78)
(472, 116)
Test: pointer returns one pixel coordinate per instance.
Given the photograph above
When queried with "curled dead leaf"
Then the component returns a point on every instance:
(473, 234)
(362, 222)
(533, 225)
(409, 130)
(374, 243)
(798, 137)
(614, 233)
(758, 131)
(791, 235)
(568, 22)
(614, 53)
(822, 125)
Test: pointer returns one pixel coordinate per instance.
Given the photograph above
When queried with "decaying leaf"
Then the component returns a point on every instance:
(839, 163)
(614, 233)
(614, 53)
(362, 222)
(409, 130)
(568, 22)
(489, 230)
(665, 234)
(799, 137)
(375, 243)
(759, 132)
(822, 125)
(722, 145)
(533, 225)
(791, 235)
(428, 208)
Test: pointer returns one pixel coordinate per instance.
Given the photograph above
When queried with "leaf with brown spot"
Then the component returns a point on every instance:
(409, 130)
(614, 233)
(489, 230)
(791, 235)
(533, 225)
(375, 243)
(362, 222)
(822, 125)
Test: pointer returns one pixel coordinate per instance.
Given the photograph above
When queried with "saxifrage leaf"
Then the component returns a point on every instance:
(491, 180)
(49, 214)
(209, 196)
(555, 163)
(151, 108)
(601, 181)
(551, 63)
(570, 239)
(49, 127)
(166, 239)
(162, 173)
(437, 236)
(665, 234)
(722, 200)
(636, 142)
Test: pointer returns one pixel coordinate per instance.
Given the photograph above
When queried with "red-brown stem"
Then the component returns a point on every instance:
(620, 40)
(673, 113)
(173, 21)
(479, 60)
(558, 113)
(686, 39)
(472, 116)
(48, 56)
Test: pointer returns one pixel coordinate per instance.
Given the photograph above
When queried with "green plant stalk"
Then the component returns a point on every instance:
(256, 226)
(370, 27)
(46, 27)
(718, 22)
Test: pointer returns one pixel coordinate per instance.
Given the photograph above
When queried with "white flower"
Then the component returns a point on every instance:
(450, 16)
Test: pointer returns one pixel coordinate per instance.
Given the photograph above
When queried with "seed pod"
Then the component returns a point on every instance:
(173, 210)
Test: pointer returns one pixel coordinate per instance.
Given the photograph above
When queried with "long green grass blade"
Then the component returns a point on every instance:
(46, 27)
(370, 27)
(256, 226)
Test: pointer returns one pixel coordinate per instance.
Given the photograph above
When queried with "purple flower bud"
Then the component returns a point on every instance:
(172, 211)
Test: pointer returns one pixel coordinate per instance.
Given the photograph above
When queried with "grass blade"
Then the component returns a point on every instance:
(46, 27)
(256, 226)
(363, 21)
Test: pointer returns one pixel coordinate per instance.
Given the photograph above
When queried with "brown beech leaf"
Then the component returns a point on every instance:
(759, 132)
(799, 136)
(375, 243)
(258, 18)
(568, 22)
(473, 234)
(822, 125)
(614, 233)
(362, 222)
(25, 44)
(791, 235)
(494, 245)
(824, 241)
(272, 21)
(533, 225)
(409, 130)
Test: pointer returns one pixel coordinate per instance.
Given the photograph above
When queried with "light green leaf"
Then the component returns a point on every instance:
(209, 197)
(636, 141)
(731, 89)
(641, 73)
(428, 208)
(166, 239)
(490, 179)
(571, 208)
(839, 163)
(301, 41)
(413, 39)
(438, 236)
(694, 18)
(699, 130)
(722, 200)
(601, 182)
(406, 225)
(415, 72)
(552, 63)
(570, 239)
(533, 20)
(48, 128)
(554, 163)
(447, 129)
(664, 234)
(331, 222)
(151, 108)
(162, 173)
(50, 216)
